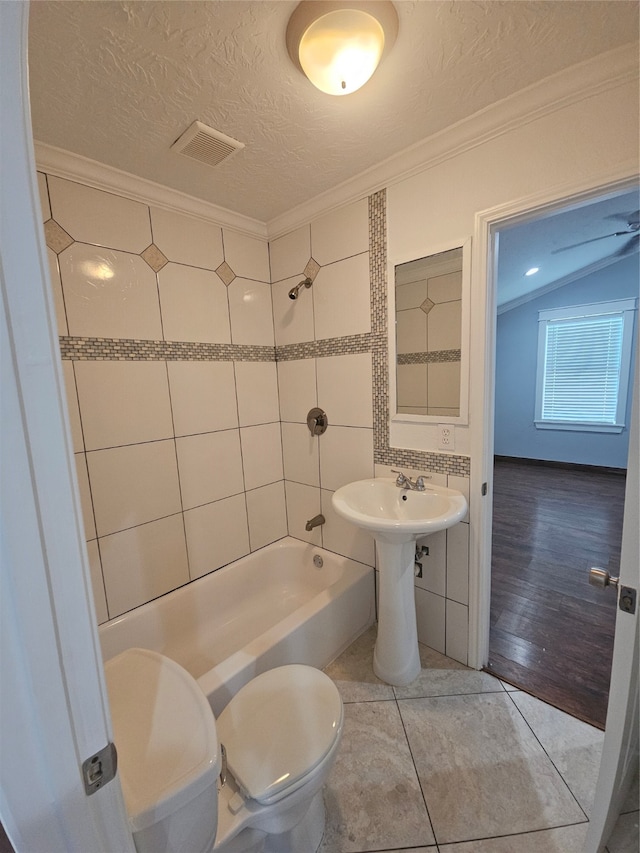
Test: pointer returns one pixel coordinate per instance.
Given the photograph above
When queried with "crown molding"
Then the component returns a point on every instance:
(74, 167)
(570, 86)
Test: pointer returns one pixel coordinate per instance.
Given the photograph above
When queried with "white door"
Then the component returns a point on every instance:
(620, 751)
(53, 706)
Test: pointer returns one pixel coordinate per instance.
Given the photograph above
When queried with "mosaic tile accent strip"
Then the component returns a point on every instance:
(226, 273)
(121, 349)
(154, 257)
(349, 345)
(378, 277)
(56, 237)
(383, 454)
(378, 261)
(312, 269)
(380, 395)
(439, 463)
(437, 357)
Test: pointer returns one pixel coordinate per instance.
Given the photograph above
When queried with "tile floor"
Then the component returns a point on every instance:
(458, 762)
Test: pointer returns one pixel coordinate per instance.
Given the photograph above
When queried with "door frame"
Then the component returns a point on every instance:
(482, 374)
(55, 710)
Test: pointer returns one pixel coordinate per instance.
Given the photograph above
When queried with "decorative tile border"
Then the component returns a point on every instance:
(383, 454)
(438, 463)
(436, 357)
(122, 349)
(349, 345)
(379, 353)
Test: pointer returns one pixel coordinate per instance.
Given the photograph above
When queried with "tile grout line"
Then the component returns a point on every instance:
(424, 799)
(553, 764)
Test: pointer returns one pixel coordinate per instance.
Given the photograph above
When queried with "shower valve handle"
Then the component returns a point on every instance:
(317, 421)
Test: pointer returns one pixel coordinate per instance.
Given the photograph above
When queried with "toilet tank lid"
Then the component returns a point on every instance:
(278, 728)
(165, 735)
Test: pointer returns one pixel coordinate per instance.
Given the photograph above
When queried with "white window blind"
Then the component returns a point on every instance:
(583, 366)
(582, 369)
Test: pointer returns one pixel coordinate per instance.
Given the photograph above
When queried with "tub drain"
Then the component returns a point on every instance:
(318, 562)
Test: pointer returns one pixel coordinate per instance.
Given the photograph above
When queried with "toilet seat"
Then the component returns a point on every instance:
(278, 728)
(165, 735)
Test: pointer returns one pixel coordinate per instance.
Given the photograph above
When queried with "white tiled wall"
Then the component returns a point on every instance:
(187, 465)
(109, 294)
(339, 305)
(336, 306)
(179, 461)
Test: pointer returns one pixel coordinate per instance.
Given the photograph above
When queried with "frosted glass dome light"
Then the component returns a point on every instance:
(339, 45)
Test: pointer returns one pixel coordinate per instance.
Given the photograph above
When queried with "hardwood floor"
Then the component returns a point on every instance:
(551, 632)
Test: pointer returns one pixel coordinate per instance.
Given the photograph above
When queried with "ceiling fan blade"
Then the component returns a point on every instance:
(592, 240)
(629, 218)
(630, 246)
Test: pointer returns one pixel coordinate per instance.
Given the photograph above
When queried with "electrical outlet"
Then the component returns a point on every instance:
(446, 437)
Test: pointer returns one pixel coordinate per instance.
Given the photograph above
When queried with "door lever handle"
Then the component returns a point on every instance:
(602, 578)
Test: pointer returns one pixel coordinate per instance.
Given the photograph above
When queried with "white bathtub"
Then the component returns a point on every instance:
(270, 608)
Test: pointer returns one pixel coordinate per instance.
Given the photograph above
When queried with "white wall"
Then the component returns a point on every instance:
(516, 372)
(581, 143)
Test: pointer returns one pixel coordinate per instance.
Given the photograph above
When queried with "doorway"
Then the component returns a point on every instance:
(558, 496)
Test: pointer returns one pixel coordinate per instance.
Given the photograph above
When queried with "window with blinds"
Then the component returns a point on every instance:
(584, 361)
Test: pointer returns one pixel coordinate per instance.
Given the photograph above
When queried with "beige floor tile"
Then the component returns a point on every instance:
(443, 676)
(573, 746)
(633, 795)
(482, 771)
(373, 797)
(432, 849)
(566, 839)
(624, 838)
(353, 673)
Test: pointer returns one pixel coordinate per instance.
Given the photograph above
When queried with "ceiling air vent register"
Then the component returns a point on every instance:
(203, 143)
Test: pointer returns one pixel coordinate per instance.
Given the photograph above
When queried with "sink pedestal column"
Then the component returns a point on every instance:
(396, 659)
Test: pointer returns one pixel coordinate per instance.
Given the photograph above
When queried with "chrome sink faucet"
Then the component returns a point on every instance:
(404, 482)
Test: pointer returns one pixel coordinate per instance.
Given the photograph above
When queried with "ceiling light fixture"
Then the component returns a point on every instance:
(338, 45)
(532, 271)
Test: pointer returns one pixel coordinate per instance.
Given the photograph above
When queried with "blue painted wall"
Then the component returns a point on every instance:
(516, 359)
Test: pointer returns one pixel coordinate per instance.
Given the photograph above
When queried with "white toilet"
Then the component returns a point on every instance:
(280, 733)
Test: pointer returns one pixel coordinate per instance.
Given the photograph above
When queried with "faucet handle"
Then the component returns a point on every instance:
(401, 479)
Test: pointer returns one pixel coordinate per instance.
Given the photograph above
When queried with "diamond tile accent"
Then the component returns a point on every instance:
(56, 237)
(312, 269)
(226, 273)
(154, 257)
(427, 305)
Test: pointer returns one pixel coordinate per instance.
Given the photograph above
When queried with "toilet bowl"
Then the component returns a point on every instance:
(280, 735)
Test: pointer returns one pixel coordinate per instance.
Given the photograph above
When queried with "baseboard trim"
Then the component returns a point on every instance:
(569, 466)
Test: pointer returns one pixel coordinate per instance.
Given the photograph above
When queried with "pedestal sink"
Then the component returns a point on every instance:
(396, 517)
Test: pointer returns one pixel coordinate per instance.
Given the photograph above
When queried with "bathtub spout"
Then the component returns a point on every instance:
(316, 521)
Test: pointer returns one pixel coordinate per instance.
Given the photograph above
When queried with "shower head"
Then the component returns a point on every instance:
(293, 293)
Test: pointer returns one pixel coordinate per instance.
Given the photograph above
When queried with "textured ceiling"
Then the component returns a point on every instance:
(567, 244)
(118, 82)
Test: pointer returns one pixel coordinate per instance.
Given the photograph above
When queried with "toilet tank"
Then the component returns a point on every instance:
(168, 753)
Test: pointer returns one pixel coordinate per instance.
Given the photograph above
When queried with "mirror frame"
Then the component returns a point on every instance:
(393, 262)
